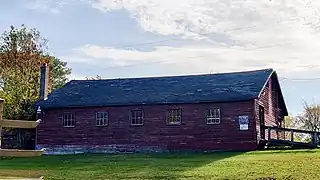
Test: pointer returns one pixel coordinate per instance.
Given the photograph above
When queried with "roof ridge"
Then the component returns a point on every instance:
(171, 76)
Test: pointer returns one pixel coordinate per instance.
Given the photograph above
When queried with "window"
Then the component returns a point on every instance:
(137, 117)
(174, 116)
(213, 116)
(102, 118)
(68, 120)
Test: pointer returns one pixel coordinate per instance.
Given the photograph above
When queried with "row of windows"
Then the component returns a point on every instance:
(136, 117)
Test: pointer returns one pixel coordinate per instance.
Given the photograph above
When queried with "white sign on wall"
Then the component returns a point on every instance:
(244, 122)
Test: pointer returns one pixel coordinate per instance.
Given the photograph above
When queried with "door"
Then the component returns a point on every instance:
(261, 118)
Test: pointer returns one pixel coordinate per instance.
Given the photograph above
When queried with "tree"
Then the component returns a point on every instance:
(94, 78)
(289, 122)
(310, 119)
(59, 73)
(22, 52)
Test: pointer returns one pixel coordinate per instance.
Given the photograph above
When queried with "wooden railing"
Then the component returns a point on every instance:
(17, 124)
(283, 138)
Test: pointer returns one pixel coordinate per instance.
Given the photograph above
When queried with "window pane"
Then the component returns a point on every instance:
(133, 114)
(137, 117)
(101, 118)
(174, 116)
(216, 113)
(213, 116)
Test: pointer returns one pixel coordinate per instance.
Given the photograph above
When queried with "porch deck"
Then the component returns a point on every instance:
(288, 137)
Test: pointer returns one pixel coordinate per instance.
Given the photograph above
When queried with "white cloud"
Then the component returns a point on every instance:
(250, 24)
(194, 18)
(189, 59)
(52, 6)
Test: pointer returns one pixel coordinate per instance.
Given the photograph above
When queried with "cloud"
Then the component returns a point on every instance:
(194, 19)
(243, 34)
(195, 59)
(52, 6)
(237, 30)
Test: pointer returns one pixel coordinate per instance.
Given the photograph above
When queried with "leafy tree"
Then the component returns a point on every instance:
(94, 78)
(22, 52)
(59, 73)
(310, 118)
(289, 122)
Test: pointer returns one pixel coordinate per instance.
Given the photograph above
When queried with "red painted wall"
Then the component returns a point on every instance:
(269, 99)
(192, 134)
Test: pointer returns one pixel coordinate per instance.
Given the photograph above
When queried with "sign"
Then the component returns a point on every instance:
(244, 122)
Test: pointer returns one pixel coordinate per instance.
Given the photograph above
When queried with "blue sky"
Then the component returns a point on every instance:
(134, 38)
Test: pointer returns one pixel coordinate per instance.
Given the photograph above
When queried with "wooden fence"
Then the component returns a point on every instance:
(277, 136)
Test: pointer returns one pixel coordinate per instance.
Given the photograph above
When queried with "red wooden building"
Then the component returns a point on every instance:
(205, 112)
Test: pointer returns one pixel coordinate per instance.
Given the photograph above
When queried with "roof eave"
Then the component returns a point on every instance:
(44, 106)
(280, 91)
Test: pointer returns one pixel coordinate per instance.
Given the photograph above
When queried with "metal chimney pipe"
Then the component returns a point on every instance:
(44, 80)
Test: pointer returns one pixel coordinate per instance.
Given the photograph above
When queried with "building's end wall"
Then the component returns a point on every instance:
(154, 135)
(270, 100)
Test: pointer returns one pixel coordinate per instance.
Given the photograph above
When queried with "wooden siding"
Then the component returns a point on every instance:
(269, 99)
(192, 134)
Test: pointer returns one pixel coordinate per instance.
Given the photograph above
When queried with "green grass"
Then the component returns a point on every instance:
(285, 164)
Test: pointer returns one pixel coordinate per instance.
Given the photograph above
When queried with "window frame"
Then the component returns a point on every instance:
(64, 120)
(179, 115)
(132, 117)
(210, 116)
(106, 121)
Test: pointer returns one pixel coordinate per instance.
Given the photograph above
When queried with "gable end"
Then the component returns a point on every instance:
(274, 75)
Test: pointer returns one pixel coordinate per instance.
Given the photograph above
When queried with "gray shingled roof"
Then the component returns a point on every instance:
(224, 87)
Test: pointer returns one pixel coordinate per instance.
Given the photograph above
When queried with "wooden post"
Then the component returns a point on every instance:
(269, 134)
(1, 114)
(292, 137)
(315, 138)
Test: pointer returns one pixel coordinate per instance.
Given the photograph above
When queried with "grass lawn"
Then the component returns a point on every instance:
(278, 164)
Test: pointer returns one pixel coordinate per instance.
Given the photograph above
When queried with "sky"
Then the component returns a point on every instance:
(139, 38)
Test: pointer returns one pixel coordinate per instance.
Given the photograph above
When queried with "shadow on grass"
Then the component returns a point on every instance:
(117, 166)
